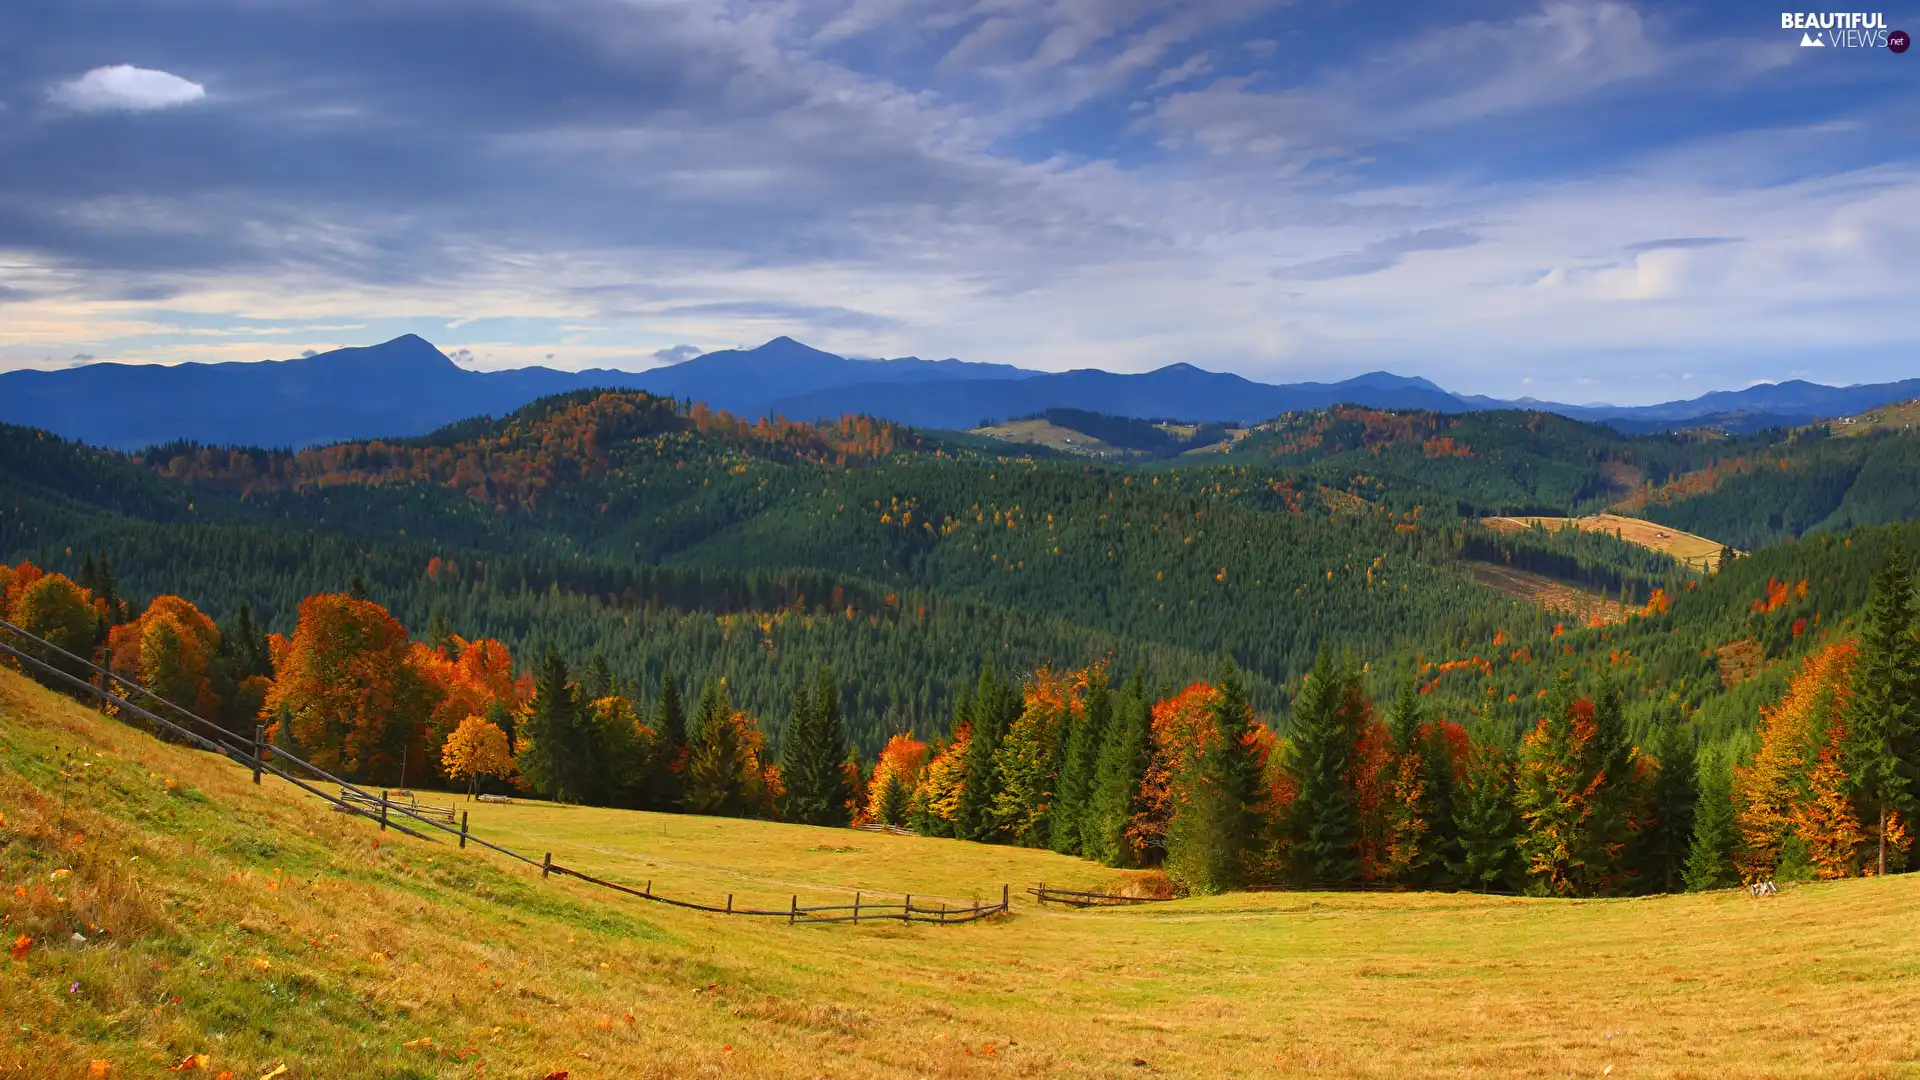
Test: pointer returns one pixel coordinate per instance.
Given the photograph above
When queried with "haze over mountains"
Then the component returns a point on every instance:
(408, 387)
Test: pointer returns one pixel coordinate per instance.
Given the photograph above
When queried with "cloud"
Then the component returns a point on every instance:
(125, 88)
(1379, 255)
(675, 354)
(1683, 243)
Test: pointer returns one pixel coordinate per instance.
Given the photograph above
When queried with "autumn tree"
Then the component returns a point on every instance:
(476, 749)
(1182, 723)
(172, 650)
(896, 776)
(936, 798)
(622, 746)
(52, 607)
(1216, 822)
(1882, 749)
(1773, 792)
(813, 754)
(1026, 762)
(345, 689)
(1112, 800)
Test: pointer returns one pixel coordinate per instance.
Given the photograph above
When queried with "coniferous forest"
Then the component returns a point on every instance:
(1269, 664)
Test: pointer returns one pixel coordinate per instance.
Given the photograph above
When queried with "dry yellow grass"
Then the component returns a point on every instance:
(1695, 551)
(1899, 416)
(1042, 433)
(258, 929)
(1581, 605)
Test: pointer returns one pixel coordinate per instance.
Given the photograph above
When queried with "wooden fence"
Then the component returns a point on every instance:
(1073, 898)
(180, 724)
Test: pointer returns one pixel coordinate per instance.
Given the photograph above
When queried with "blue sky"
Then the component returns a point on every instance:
(1572, 200)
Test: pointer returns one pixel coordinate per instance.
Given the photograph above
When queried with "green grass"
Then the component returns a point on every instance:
(288, 936)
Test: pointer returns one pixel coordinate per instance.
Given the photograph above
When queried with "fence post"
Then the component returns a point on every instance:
(259, 737)
(383, 809)
(649, 888)
(106, 681)
(546, 865)
(463, 830)
(794, 911)
(943, 912)
(1004, 906)
(906, 909)
(976, 906)
(1040, 894)
(729, 903)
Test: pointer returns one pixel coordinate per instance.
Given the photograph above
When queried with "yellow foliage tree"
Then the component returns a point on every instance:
(476, 748)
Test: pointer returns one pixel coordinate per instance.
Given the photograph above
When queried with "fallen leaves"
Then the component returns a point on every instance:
(191, 1063)
(20, 946)
(98, 1069)
(423, 1042)
(278, 1071)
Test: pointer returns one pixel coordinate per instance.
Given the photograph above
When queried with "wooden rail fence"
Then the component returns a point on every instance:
(1073, 898)
(85, 677)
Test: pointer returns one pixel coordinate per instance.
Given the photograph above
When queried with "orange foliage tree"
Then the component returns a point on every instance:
(169, 649)
(896, 776)
(1788, 808)
(475, 749)
(468, 678)
(1026, 763)
(346, 691)
(51, 606)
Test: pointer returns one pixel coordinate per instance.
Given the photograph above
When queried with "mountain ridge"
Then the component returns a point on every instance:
(407, 387)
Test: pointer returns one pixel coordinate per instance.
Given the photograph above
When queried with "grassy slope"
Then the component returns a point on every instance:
(287, 936)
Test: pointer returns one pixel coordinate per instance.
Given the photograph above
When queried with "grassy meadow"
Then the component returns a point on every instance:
(254, 927)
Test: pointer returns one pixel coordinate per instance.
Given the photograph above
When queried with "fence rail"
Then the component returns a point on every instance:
(263, 758)
(1074, 898)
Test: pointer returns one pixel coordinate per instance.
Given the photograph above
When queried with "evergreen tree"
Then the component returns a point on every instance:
(1487, 823)
(1439, 808)
(1664, 842)
(558, 761)
(1215, 822)
(813, 755)
(894, 799)
(717, 759)
(991, 712)
(1323, 824)
(1086, 734)
(1125, 751)
(1882, 750)
(1574, 791)
(1406, 822)
(598, 682)
(666, 770)
(1715, 834)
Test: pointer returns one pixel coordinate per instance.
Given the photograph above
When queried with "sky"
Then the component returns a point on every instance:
(1576, 200)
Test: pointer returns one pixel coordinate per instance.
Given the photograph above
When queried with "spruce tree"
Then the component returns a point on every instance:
(598, 682)
(667, 769)
(1087, 732)
(1882, 751)
(1664, 842)
(1486, 822)
(1323, 825)
(716, 776)
(1715, 833)
(990, 715)
(1124, 753)
(1439, 808)
(813, 754)
(558, 761)
(894, 797)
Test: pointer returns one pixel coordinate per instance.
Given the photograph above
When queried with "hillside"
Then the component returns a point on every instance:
(249, 925)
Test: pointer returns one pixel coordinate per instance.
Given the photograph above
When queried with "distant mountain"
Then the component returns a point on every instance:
(408, 387)
(1177, 391)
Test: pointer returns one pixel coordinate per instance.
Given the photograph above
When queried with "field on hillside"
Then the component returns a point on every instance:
(1695, 551)
(1040, 432)
(1899, 416)
(249, 925)
(1556, 596)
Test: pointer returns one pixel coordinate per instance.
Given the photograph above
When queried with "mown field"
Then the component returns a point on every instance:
(1695, 551)
(252, 926)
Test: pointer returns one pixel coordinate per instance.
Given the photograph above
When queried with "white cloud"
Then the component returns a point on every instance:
(125, 88)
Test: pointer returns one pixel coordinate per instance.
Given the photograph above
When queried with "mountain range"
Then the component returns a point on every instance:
(406, 387)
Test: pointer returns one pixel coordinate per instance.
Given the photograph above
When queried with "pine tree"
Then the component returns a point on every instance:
(1574, 791)
(1406, 813)
(1710, 862)
(1087, 732)
(1882, 749)
(893, 801)
(1665, 841)
(1439, 806)
(813, 755)
(1215, 823)
(1323, 824)
(1124, 752)
(667, 768)
(558, 759)
(598, 682)
(1487, 823)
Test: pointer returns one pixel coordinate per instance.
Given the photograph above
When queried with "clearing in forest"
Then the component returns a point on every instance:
(1040, 432)
(1696, 552)
(250, 925)
(1586, 607)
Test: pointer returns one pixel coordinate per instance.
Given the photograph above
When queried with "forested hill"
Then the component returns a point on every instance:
(669, 537)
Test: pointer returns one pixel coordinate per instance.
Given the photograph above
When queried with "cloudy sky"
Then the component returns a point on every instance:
(1571, 199)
